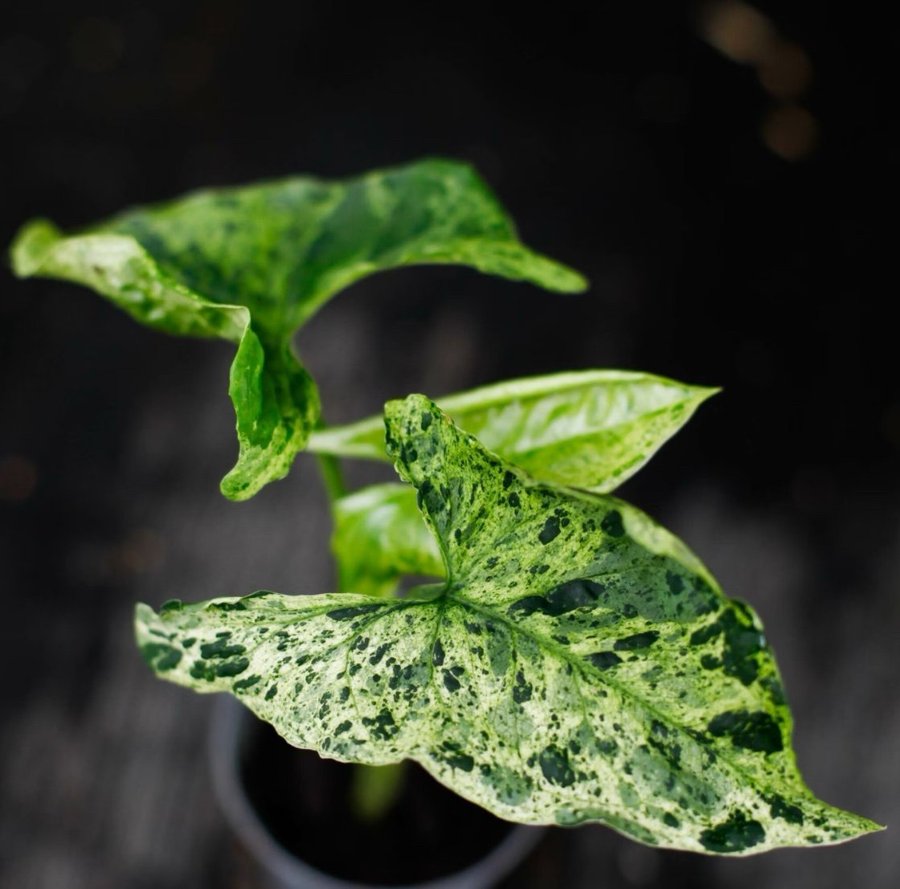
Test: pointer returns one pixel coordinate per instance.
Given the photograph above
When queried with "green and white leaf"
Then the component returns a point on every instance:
(252, 264)
(379, 536)
(586, 429)
(580, 665)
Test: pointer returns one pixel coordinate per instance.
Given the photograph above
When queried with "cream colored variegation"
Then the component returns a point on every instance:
(578, 665)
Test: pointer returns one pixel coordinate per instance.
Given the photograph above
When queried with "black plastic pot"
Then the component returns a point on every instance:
(231, 732)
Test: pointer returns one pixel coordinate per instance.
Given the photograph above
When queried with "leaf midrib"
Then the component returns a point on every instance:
(593, 673)
(579, 664)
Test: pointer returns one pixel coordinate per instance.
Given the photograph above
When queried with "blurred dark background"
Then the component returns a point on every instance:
(722, 173)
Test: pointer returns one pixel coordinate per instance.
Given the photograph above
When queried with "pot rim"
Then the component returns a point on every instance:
(224, 748)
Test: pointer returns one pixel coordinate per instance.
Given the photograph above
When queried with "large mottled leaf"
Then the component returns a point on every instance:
(250, 265)
(587, 429)
(579, 665)
(379, 536)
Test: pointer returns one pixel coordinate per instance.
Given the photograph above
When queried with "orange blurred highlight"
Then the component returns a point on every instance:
(785, 70)
(790, 132)
(738, 31)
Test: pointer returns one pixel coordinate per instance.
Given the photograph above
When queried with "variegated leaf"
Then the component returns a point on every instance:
(252, 264)
(586, 429)
(579, 665)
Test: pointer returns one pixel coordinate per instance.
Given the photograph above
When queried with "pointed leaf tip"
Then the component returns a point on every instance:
(31, 245)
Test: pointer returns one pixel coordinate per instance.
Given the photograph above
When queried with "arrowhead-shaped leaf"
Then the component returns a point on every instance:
(579, 665)
(586, 429)
(252, 264)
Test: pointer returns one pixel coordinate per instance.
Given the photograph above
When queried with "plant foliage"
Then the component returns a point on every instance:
(573, 661)
(251, 265)
(578, 664)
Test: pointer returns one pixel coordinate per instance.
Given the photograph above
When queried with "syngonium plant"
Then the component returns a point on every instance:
(574, 661)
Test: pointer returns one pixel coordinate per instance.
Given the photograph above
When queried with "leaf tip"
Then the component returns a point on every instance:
(538, 269)
(144, 618)
(405, 421)
(572, 281)
(398, 411)
(701, 394)
(235, 485)
(866, 826)
(30, 245)
(860, 827)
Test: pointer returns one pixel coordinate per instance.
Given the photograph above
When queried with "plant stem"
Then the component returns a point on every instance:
(332, 476)
(375, 789)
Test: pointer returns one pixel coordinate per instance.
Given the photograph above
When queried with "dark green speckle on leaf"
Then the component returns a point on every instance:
(556, 768)
(612, 524)
(752, 731)
(220, 648)
(232, 668)
(736, 834)
(550, 531)
(161, 657)
(603, 660)
(780, 809)
(636, 641)
(353, 611)
(244, 684)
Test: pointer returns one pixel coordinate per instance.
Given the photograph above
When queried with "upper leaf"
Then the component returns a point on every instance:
(251, 265)
(580, 665)
(587, 429)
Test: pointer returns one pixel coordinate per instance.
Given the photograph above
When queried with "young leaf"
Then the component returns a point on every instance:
(580, 665)
(379, 536)
(252, 264)
(587, 429)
